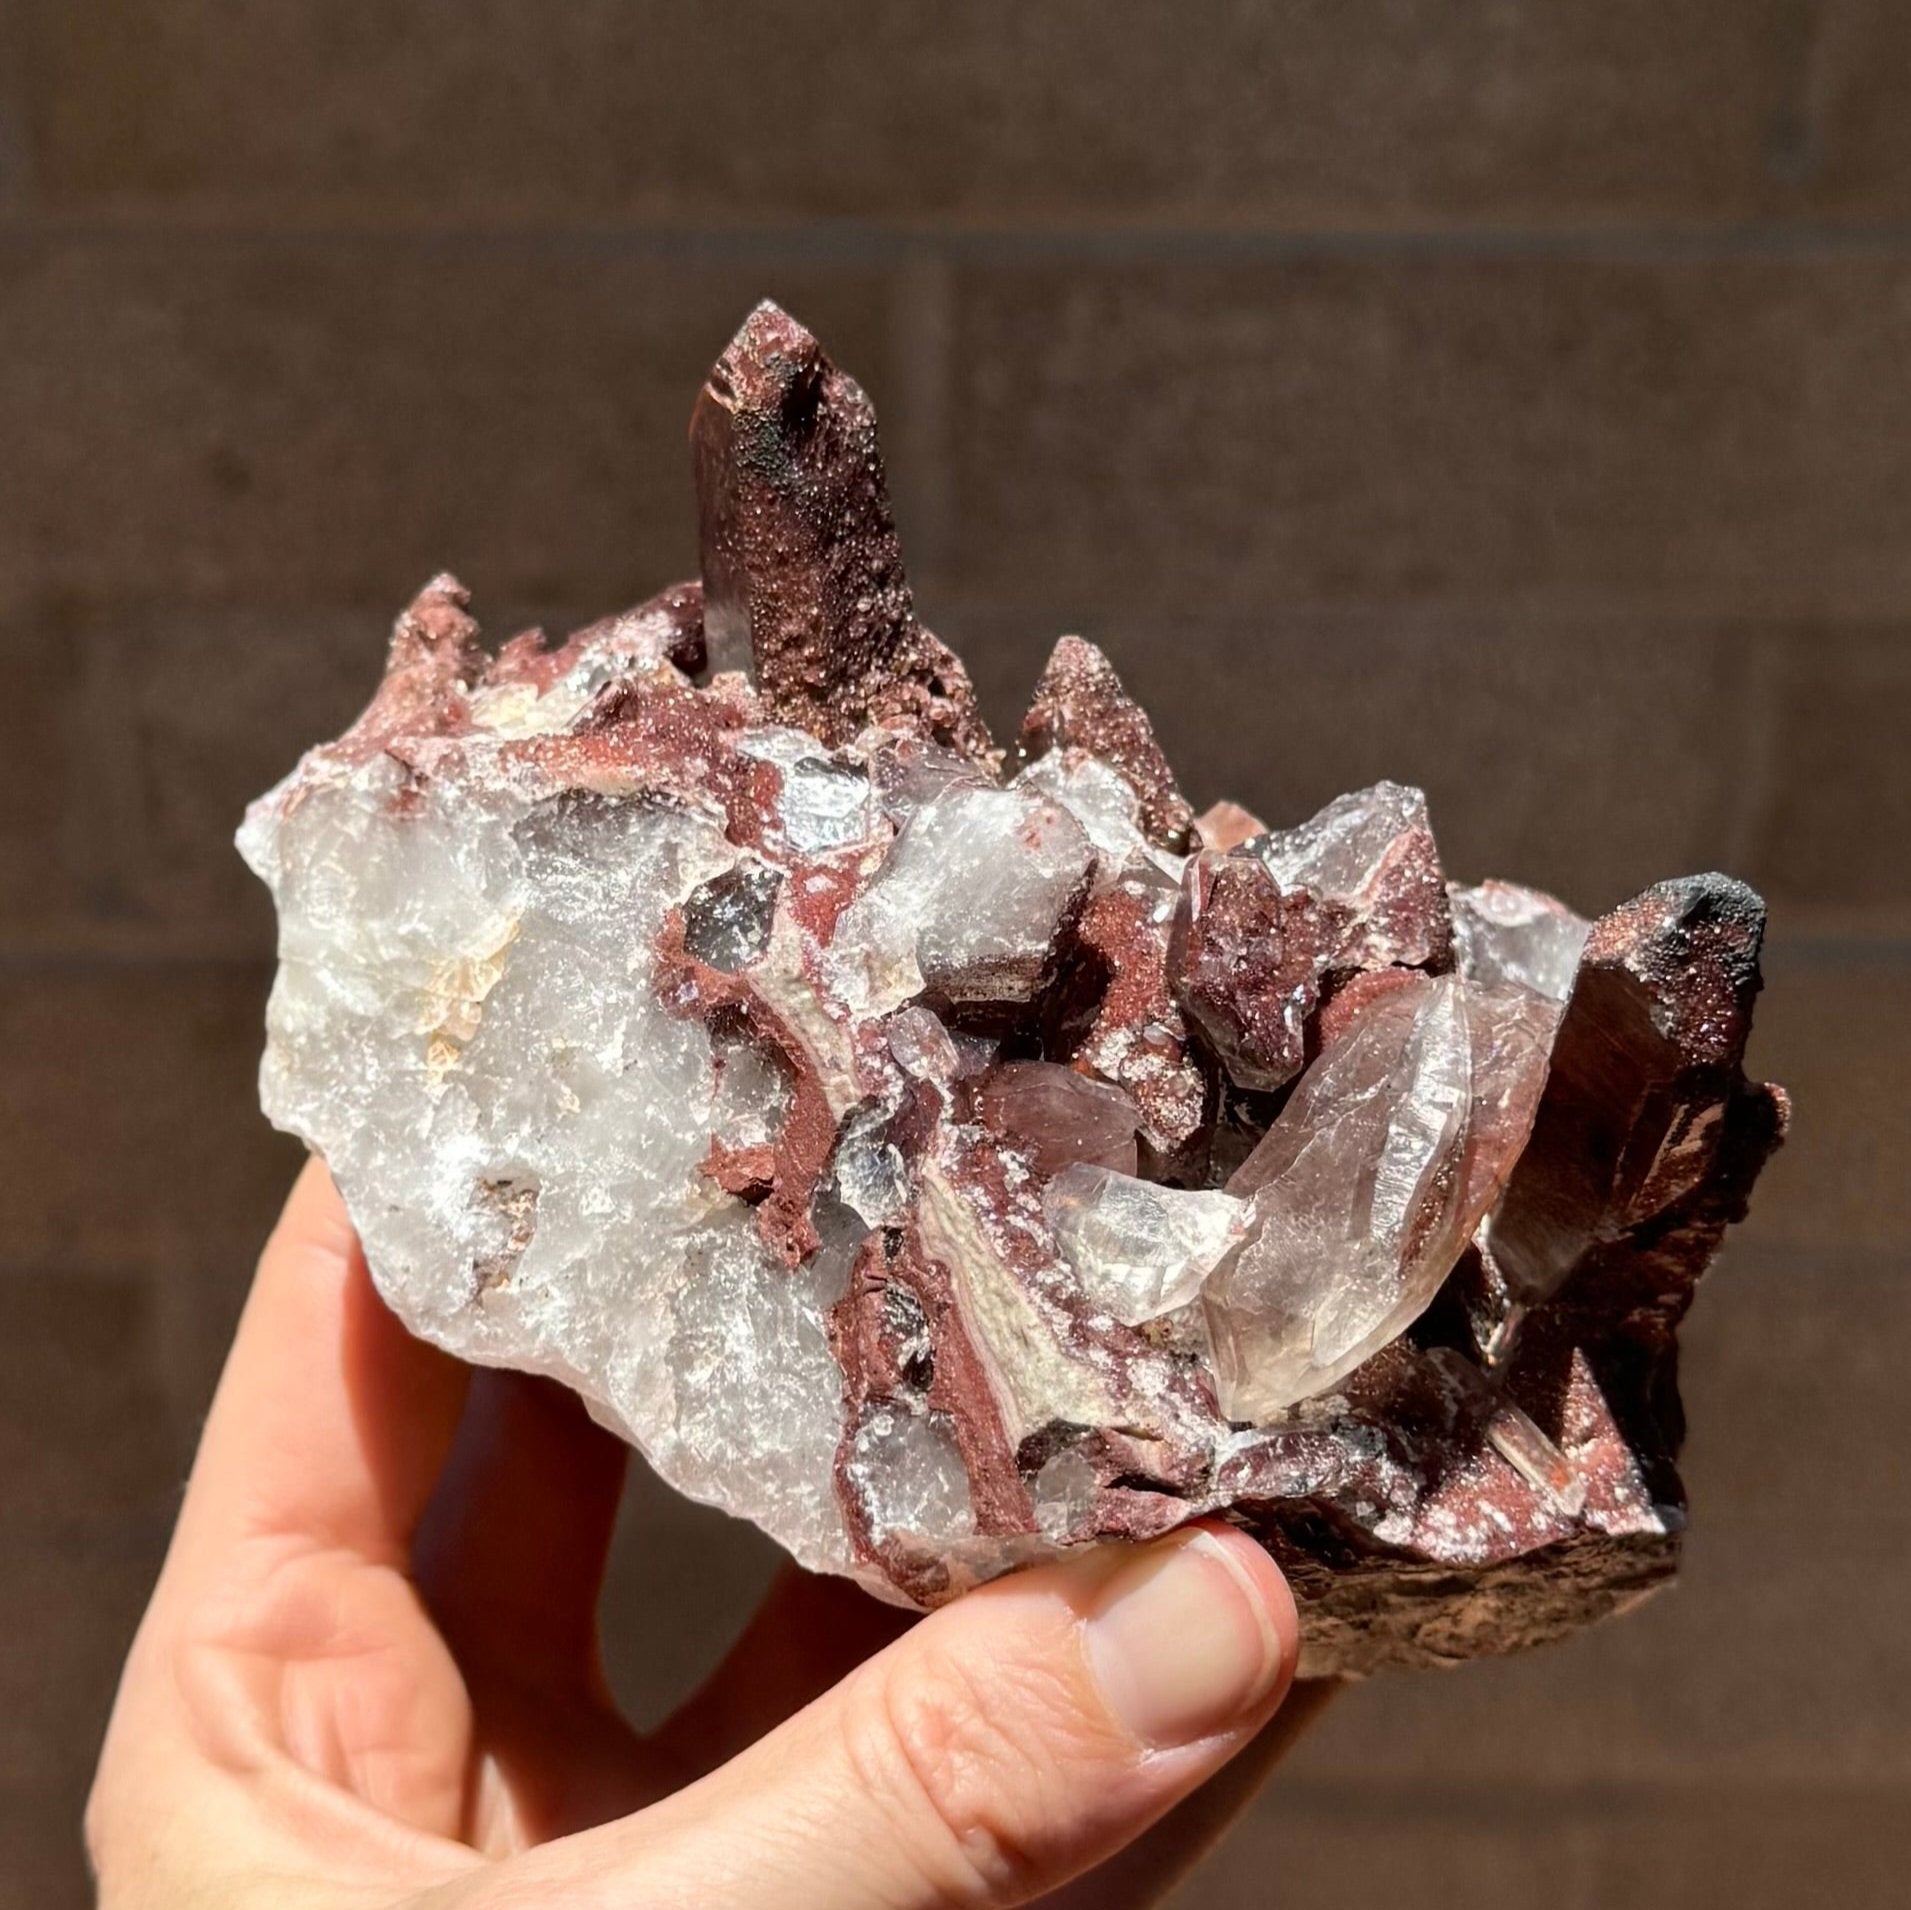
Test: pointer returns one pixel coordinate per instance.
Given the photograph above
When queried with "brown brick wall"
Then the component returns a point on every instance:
(1511, 397)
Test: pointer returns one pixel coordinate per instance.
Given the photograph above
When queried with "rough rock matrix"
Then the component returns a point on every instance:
(942, 1155)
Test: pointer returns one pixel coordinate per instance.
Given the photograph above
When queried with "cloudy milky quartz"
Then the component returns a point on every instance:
(941, 1154)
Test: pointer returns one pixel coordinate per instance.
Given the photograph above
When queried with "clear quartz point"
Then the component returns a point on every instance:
(1138, 1249)
(1369, 1184)
(1064, 1494)
(871, 1177)
(1505, 933)
(921, 1046)
(752, 1092)
(824, 806)
(1511, 1032)
(1536, 1458)
(1351, 1186)
(824, 803)
(1371, 852)
(907, 1474)
(1104, 802)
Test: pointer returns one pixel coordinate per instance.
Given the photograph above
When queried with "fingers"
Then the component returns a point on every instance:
(331, 1422)
(510, 1559)
(810, 1632)
(510, 1555)
(282, 1636)
(1006, 1744)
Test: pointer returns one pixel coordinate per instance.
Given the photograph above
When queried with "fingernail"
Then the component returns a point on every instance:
(1182, 1642)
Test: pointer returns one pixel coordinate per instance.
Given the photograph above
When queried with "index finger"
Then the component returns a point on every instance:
(331, 1422)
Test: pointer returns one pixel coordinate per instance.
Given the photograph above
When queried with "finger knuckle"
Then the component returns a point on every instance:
(945, 1750)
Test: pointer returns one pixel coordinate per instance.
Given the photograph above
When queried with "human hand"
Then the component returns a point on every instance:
(369, 1673)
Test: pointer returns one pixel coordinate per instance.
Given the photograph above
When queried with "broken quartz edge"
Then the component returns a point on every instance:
(440, 675)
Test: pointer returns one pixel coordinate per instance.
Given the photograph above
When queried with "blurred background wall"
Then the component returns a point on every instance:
(1510, 397)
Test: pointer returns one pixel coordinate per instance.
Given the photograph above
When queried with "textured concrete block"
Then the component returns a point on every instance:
(330, 420)
(1301, 117)
(1641, 435)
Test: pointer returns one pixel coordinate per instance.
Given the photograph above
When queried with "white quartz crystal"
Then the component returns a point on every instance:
(969, 900)
(1337, 851)
(868, 1171)
(1505, 933)
(825, 802)
(465, 1024)
(1371, 852)
(910, 1483)
(922, 1046)
(740, 1396)
(1139, 1249)
(753, 1092)
(1064, 1494)
(1104, 802)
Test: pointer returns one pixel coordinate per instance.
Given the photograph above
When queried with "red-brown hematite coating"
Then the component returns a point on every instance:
(1643, 1064)
(863, 1342)
(802, 570)
(1246, 960)
(1113, 1012)
(1080, 704)
(1645, 1147)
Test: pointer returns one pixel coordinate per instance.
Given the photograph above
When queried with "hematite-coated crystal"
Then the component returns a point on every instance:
(1080, 708)
(1370, 859)
(1247, 957)
(1058, 1117)
(802, 573)
(943, 1169)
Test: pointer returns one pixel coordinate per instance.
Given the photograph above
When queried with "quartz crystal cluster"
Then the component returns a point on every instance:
(945, 1153)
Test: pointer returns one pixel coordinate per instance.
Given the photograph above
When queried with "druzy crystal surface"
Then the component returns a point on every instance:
(945, 1154)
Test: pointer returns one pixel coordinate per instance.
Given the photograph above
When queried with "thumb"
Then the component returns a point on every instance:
(1007, 1743)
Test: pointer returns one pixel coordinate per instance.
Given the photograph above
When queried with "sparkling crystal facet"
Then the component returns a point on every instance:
(1505, 933)
(1371, 855)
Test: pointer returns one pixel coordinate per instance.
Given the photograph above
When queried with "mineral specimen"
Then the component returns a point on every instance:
(944, 1161)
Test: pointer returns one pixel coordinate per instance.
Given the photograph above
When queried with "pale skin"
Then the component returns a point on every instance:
(369, 1674)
